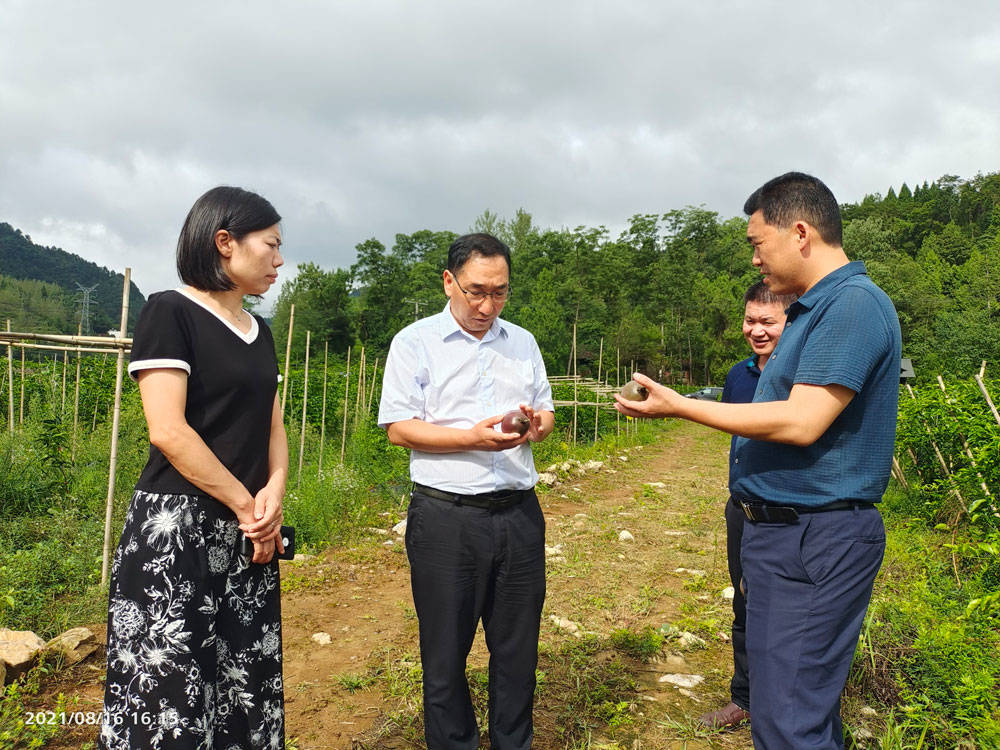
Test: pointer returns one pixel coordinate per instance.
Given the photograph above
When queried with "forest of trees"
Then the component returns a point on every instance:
(667, 292)
(21, 260)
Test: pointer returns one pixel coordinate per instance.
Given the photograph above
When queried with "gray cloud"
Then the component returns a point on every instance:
(367, 119)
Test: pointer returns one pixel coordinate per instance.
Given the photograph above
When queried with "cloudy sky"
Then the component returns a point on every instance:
(364, 119)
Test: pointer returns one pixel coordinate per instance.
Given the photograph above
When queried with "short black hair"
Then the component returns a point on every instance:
(478, 243)
(794, 196)
(239, 212)
(760, 294)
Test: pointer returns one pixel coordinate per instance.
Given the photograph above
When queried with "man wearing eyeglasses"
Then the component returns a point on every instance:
(475, 534)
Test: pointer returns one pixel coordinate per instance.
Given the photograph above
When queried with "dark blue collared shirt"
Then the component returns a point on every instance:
(740, 385)
(843, 331)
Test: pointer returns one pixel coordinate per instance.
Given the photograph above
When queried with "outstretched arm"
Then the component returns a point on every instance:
(799, 420)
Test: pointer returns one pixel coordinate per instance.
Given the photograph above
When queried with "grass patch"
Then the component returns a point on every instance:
(642, 644)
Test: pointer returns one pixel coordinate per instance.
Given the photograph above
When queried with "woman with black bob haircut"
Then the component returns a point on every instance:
(194, 622)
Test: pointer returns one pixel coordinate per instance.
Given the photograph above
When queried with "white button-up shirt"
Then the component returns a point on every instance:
(438, 373)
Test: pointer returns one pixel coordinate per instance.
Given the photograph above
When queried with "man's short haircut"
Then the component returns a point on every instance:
(239, 212)
(478, 243)
(796, 196)
(760, 294)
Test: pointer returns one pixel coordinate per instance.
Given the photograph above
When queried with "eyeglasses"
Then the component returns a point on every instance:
(477, 298)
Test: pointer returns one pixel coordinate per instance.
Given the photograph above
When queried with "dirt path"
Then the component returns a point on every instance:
(362, 688)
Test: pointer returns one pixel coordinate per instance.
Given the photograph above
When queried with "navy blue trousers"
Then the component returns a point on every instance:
(808, 588)
(465, 564)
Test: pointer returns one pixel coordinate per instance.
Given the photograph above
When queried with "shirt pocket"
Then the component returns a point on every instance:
(514, 383)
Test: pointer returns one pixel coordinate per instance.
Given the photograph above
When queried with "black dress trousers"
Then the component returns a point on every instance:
(739, 686)
(469, 563)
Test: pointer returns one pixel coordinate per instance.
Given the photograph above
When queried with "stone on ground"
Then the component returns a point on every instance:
(75, 644)
(17, 649)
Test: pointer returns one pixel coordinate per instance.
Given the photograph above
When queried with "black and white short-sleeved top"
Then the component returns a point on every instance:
(232, 380)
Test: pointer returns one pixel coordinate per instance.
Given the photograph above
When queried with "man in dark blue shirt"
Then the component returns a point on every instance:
(811, 461)
(763, 323)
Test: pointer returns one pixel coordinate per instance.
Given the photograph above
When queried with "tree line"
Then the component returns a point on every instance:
(666, 293)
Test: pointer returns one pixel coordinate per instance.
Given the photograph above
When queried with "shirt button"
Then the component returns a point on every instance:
(774, 356)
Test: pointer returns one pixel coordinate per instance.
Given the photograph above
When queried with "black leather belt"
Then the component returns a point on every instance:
(489, 500)
(758, 512)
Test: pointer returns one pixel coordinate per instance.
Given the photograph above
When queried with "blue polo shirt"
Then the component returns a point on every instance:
(842, 331)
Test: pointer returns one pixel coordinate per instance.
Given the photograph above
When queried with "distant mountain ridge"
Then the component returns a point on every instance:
(20, 258)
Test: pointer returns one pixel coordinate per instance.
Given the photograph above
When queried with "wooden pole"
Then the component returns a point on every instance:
(21, 420)
(897, 471)
(76, 408)
(347, 393)
(618, 385)
(97, 398)
(305, 404)
(115, 420)
(62, 406)
(371, 395)
(986, 395)
(10, 381)
(322, 419)
(288, 354)
(575, 398)
(597, 409)
(358, 396)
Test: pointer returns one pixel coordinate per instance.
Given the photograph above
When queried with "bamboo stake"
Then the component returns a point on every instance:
(76, 408)
(575, 398)
(361, 385)
(347, 392)
(916, 464)
(97, 398)
(897, 471)
(371, 395)
(62, 406)
(305, 403)
(288, 354)
(21, 420)
(115, 341)
(972, 459)
(986, 395)
(635, 424)
(115, 420)
(940, 458)
(618, 385)
(10, 381)
(322, 419)
(54, 348)
(597, 411)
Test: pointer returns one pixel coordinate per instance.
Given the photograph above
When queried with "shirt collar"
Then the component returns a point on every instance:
(450, 326)
(751, 363)
(828, 283)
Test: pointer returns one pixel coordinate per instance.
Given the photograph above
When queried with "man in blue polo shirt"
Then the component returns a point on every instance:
(812, 458)
(763, 324)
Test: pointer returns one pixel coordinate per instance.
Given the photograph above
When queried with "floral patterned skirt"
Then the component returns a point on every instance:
(194, 633)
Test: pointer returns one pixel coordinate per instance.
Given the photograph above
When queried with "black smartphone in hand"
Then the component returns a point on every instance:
(287, 539)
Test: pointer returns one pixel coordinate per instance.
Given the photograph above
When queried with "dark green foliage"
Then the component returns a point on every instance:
(322, 307)
(933, 629)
